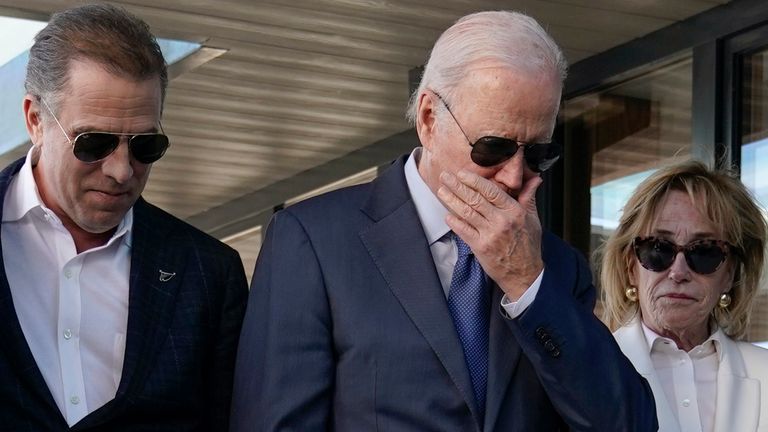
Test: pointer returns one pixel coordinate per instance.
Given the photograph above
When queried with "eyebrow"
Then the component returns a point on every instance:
(696, 236)
(86, 129)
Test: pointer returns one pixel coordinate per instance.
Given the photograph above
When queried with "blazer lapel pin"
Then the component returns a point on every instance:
(166, 276)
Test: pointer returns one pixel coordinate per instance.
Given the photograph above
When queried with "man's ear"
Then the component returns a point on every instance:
(33, 119)
(426, 120)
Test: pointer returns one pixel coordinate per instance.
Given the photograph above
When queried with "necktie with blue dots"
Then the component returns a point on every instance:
(469, 303)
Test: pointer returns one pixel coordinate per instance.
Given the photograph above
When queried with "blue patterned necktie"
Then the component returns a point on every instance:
(469, 303)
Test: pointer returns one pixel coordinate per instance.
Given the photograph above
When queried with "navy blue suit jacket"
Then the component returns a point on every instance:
(180, 343)
(348, 329)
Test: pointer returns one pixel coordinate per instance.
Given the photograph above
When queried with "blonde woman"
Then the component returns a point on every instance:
(679, 278)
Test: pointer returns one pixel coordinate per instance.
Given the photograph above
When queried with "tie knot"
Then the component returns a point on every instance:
(463, 248)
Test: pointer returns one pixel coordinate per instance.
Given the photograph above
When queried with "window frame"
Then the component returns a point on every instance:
(716, 39)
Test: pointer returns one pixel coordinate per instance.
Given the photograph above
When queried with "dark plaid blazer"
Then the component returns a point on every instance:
(181, 339)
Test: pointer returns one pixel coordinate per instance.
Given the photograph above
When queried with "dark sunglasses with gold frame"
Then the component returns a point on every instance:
(489, 151)
(91, 147)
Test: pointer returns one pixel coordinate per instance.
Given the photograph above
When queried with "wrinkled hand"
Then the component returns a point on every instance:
(503, 233)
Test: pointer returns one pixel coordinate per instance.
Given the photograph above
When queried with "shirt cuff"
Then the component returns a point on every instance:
(514, 309)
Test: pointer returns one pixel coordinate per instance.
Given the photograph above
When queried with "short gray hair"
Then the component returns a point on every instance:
(510, 38)
(119, 41)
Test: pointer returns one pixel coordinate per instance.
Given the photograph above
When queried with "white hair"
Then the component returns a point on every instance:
(511, 39)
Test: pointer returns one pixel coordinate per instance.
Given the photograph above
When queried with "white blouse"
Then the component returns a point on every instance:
(689, 379)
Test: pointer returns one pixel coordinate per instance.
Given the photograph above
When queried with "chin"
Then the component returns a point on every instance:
(680, 323)
(99, 227)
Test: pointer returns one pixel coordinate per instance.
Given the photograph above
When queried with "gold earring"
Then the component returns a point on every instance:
(631, 294)
(725, 300)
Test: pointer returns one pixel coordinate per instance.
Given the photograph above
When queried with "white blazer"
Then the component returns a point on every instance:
(742, 382)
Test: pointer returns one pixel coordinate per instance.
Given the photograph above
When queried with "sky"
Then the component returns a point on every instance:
(16, 36)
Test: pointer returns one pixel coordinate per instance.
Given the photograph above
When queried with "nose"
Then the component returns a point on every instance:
(511, 173)
(118, 164)
(679, 271)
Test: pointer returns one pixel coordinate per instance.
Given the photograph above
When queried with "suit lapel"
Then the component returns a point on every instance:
(398, 247)
(14, 344)
(152, 294)
(503, 355)
(635, 347)
(738, 397)
(150, 307)
(150, 311)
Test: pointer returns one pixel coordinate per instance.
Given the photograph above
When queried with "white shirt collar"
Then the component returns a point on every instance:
(431, 211)
(23, 197)
(657, 342)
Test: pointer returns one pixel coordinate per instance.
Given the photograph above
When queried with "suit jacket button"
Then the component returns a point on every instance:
(552, 349)
(542, 334)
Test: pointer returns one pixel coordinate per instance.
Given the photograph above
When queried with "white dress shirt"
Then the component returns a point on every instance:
(73, 308)
(444, 251)
(689, 379)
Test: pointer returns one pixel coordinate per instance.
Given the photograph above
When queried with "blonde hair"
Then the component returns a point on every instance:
(726, 202)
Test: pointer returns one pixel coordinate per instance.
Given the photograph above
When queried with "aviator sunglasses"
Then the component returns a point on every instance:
(491, 150)
(703, 256)
(90, 147)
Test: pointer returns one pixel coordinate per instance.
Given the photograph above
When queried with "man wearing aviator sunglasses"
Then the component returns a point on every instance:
(91, 147)
(119, 316)
(430, 299)
(489, 151)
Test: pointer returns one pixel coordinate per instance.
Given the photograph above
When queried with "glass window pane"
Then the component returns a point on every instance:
(754, 156)
(16, 37)
(629, 129)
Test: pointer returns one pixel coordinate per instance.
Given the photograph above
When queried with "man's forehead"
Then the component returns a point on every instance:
(95, 99)
(493, 80)
(92, 75)
(91, 82)
(497, 87)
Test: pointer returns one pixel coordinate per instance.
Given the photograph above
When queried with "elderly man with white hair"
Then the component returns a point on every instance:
(430, 299)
